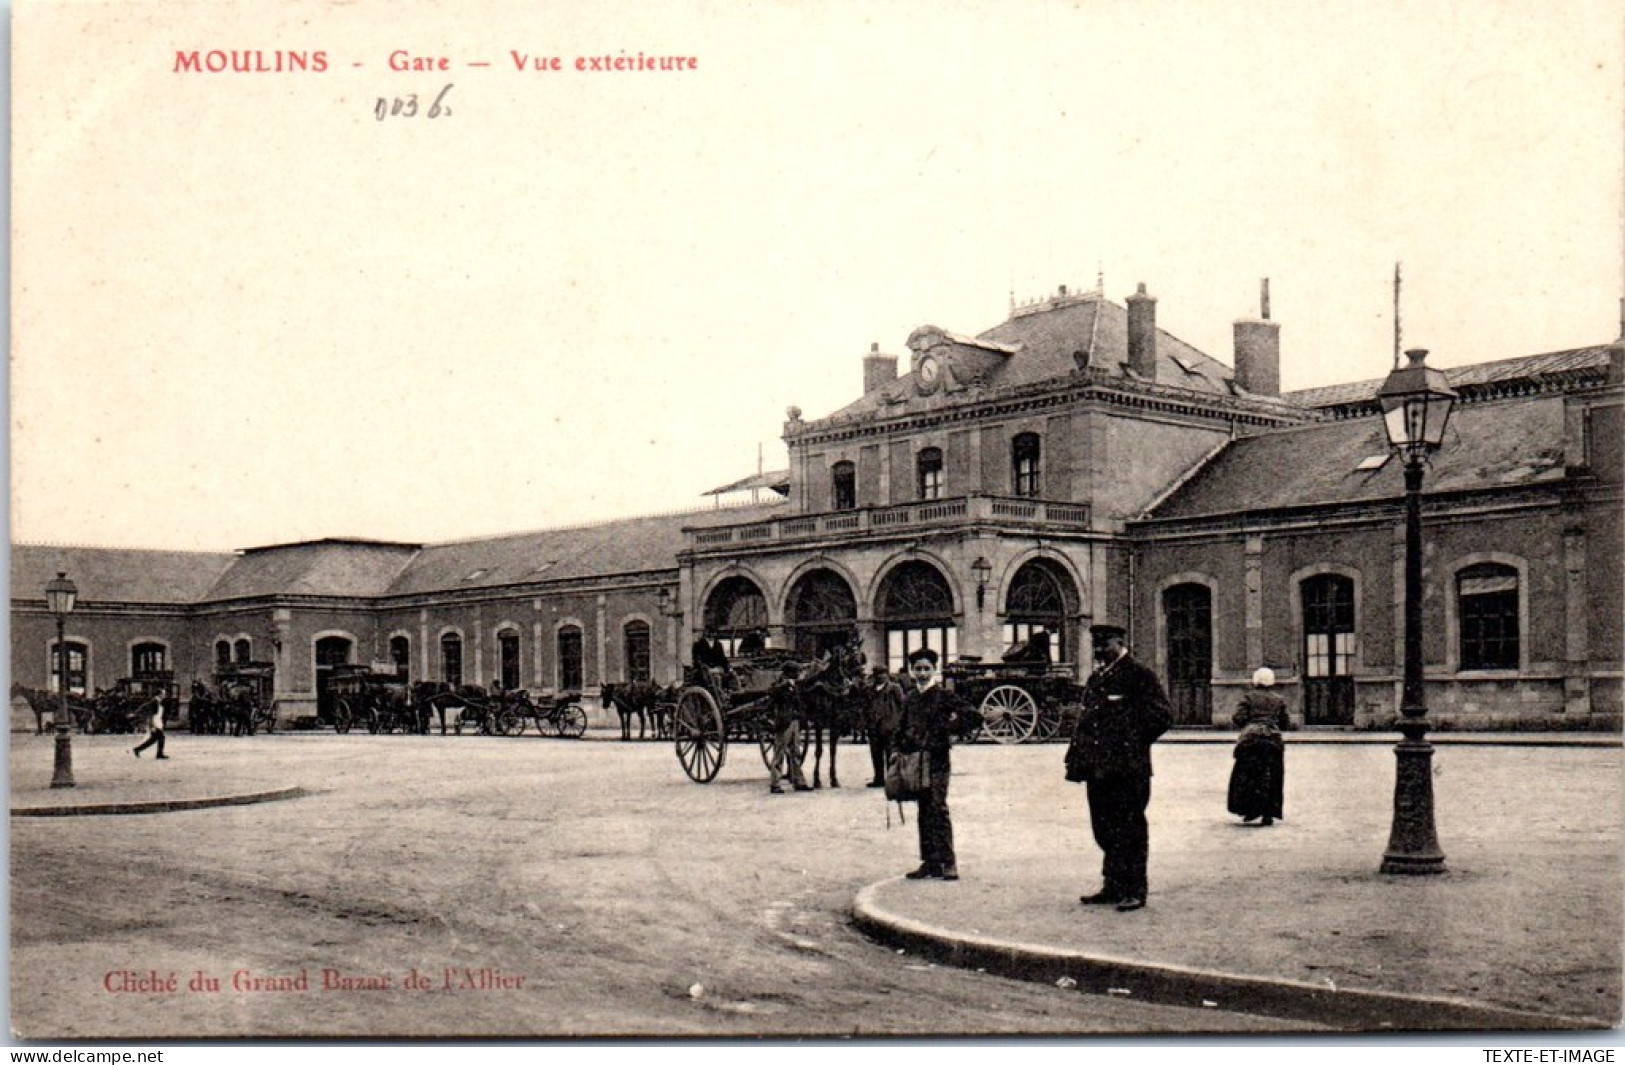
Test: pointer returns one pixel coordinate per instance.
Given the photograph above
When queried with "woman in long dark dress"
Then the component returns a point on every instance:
(1258, 776)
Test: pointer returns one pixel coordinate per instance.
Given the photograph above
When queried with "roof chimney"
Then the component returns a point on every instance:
(878, 369)
(1258, 350)
(1142, 334)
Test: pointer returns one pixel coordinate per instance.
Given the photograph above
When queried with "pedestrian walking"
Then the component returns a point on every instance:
(882, 714)
(155, 733)
(1258, 776)
(932, 717)
(784, 703)
(1124, 711)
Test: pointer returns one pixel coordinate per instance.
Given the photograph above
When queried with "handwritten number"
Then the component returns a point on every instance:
(407, 107)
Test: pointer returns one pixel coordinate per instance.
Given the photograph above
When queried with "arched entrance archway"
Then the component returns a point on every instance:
(735, 607)
(1042, 598)
(822, 611)
(330, 651)
(916, 606)
(1188, 609)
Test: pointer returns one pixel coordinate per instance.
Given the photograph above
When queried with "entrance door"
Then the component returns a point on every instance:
(1189, 610)
(330, 651)
(1328, 650)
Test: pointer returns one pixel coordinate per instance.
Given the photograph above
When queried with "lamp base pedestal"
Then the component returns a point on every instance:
(62, 774)
(1413, 845)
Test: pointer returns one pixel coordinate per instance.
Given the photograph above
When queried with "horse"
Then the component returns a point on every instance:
(831, 701)
(36, 704)
(80, 711)
(434, 697)
(645, 699)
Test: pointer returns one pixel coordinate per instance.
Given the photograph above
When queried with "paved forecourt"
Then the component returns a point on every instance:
(1522, 930)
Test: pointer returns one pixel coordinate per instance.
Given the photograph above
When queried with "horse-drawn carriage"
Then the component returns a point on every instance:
(1019, 702)
(127, 705)
(717, 707)
(377, 702)
(240, 701)
(508, 713)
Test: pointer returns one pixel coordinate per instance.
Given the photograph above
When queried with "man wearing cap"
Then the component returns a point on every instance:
(932, 716)
(1124, 711)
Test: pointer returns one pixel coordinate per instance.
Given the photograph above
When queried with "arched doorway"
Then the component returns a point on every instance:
(1188, 609)
(735, 607)
(1042, 598)
(917, 610)
(330, 651)
(1328, 650)
(822, 611)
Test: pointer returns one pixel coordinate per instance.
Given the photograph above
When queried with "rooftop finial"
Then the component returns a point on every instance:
(1264, 299)
(1100, 279)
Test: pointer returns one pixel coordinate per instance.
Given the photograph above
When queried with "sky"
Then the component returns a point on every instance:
(246, 311)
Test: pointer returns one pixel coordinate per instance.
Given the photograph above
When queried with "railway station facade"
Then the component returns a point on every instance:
(1072, 464)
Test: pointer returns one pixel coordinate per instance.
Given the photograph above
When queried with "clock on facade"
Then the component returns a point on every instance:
(930, 374)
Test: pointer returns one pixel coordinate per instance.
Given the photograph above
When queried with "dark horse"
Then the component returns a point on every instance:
(831, 701)
(644, 698)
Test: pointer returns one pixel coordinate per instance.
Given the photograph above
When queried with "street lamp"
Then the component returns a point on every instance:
(1416, 402)
(60, 594)
(984, 572)
(667, 603)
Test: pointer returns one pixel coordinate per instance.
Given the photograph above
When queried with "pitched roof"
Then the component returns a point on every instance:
(117, 575)
(778, 480)
(1051, 340)
(631, 545)
(1487, 445)
(1552, 366)
(317, 567)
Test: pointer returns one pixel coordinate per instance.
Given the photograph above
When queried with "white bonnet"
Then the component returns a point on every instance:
(1264, 677)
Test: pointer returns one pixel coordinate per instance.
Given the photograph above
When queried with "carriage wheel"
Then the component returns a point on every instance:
(510, 723)
(341, 716)
(701, 743)
(1009, 714)
(572, 722)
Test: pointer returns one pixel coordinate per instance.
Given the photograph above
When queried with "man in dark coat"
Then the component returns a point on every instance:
(882, 712)
(932, 717)
(1124, 711)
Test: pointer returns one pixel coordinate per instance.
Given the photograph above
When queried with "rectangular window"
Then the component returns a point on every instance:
(901, 642)
(1489, 628)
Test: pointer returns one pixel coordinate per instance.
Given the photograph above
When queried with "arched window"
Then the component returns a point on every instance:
(843, 486)
(1038, 601)
(636, 638)
(222, 654)
(917, 607)
(735, 609)
(78, 656)
(1487, 604)
(243, 650)
(451, 659)
(508, 659)
(822, 610)
(400, 652)
(1024, 465)
(331, 651)
(148, 658)
(929, 465)
(570, 658)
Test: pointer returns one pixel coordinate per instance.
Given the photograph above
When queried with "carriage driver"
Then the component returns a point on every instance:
(710, 663)
(784, 703)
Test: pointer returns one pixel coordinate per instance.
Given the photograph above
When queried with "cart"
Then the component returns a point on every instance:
(1019, 702)
(718, 707)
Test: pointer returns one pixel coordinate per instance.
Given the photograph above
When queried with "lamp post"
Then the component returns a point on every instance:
(1416, 401)
(984, 572)
(60, 594)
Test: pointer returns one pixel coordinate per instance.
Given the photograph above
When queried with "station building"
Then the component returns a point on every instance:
(1074, 463)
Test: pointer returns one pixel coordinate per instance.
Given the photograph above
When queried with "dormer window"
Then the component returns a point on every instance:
(843, 486)
(930, 473)
(1024, 464)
